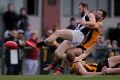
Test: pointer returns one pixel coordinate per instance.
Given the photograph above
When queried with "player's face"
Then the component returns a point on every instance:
(99, 14)
(81, 10)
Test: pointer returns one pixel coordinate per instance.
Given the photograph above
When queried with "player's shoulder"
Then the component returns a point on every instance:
(100, 23)
(91, 14)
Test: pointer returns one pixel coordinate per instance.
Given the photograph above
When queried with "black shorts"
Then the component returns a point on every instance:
(101, 64)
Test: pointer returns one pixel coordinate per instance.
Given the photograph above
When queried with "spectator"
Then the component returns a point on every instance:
(21, 35)
(100, 42)
(114, 44)
(73, 24)
(11, 36)
(21, 39)
(108, 43)
(13, 68)
(117, 34)
(112, 48)
(7, 34)
(21, 44)
(114, 34)
(31, 56)
(10, 18)
(98, 51)
(55, 27)
(115, 48)
(23, 20)
(47, 34)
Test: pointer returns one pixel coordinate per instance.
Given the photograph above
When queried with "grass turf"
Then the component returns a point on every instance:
(64, 77)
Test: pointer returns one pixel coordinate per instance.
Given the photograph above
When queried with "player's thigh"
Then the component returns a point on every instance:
(63, 47)
(75, 51)
(65, 33)
(113, 61)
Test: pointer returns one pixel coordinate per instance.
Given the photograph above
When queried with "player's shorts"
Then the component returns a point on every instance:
(78, 37)
(101, 64)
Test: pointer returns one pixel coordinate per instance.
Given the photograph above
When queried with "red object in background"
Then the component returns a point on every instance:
(31, 53)
(30, 44)
(11, 45)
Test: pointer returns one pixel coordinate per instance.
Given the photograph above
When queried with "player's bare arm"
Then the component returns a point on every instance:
(83, 71)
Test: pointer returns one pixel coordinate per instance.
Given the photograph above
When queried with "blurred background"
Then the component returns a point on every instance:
(41, 18)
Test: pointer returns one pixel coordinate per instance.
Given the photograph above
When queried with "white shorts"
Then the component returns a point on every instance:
(78, 37)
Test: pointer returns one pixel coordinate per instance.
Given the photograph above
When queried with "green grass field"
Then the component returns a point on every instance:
(64, 77)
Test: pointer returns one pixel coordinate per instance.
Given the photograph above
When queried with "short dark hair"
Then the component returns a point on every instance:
(104, 13)
(84, 4)
(72, 19)
(70, 57)
(32, 34)
(22, 9)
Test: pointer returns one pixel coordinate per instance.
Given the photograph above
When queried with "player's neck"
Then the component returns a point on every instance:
(100, 20)
(86, 11)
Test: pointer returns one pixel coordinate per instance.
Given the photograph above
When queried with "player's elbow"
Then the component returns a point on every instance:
(58, 54)
(92, 25)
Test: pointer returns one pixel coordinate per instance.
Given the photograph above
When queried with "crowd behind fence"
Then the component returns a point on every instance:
(46, 56)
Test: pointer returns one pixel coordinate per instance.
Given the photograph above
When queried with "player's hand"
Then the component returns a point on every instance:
(82, 22)
(104, 70)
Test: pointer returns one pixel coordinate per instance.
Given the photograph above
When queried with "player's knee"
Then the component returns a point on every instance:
(73, 52)
(57, 32)
(57, 53)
